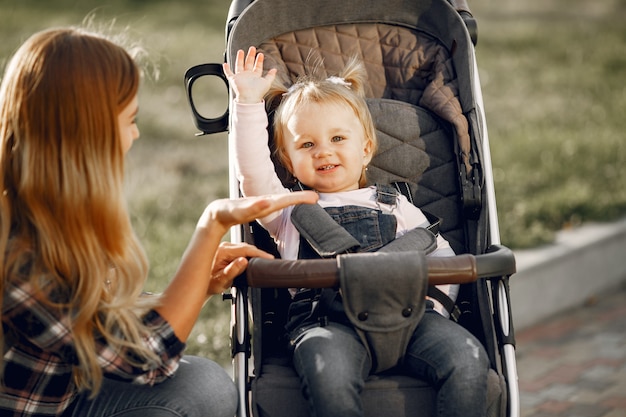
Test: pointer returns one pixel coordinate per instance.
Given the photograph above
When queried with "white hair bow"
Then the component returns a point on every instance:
(338, 80)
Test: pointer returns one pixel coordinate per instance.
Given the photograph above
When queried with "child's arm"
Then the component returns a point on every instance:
(248, 131)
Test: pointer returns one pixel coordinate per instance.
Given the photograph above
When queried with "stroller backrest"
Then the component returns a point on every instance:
(419, 99)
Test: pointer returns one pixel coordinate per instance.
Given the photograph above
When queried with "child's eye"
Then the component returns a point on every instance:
(307, 144)
(337, 139)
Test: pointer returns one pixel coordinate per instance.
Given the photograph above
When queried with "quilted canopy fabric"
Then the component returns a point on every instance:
(402, 64)
(412, 95)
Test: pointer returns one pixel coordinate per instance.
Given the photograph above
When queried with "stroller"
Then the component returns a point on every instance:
(425, 98)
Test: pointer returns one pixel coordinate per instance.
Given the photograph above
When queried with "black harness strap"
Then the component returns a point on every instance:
(433, 292)
(324, 235)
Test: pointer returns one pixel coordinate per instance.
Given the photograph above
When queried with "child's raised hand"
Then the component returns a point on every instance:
(248, 82)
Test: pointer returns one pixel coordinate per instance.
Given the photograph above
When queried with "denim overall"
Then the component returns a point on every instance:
(371, 229)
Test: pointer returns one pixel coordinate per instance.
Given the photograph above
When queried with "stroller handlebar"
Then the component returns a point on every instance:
(323, 273)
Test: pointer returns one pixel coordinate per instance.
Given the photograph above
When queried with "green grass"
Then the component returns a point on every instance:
(553, 82)
(552, 74)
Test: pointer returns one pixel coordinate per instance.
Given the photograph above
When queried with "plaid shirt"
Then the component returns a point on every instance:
(39, 355)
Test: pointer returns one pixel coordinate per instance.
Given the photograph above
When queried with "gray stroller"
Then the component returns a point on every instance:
(425, 97)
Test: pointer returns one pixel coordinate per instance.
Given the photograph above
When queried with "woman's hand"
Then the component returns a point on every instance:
(230, 261)
(226, 213)
(208, 266)
(247, 81)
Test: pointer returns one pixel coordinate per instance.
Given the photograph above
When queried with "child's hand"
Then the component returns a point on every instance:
(248, 82)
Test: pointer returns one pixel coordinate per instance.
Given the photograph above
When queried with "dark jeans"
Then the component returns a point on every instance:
(333, 364)
(200, 388)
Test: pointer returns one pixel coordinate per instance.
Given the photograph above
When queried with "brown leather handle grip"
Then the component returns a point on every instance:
(280, 273)
(458, 269)
(323, 273)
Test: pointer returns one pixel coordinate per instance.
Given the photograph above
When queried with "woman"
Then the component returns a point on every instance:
(76, 328)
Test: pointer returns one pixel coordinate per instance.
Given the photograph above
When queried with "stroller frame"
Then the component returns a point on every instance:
(494, 261)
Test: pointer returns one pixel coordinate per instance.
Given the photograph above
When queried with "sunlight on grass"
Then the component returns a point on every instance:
(553, 83)
(552, 74)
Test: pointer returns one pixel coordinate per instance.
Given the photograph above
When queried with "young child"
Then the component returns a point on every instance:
(325, 137)
(76, 330)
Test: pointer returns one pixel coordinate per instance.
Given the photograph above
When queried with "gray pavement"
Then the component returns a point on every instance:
(581, 263)
(569, 311)
(574, 364)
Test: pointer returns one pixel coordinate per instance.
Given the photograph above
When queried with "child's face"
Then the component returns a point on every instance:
(127, 124)
(327, 147)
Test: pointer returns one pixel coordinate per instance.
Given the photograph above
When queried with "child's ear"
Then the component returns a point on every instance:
(368, 153)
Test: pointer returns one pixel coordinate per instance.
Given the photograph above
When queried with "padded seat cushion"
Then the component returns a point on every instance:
(278, 389)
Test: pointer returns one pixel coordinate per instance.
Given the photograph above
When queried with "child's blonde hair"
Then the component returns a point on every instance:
(346, 88)
(64, 227)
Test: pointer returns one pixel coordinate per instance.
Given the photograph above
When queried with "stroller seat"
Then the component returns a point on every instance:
(276, 386)
(391, 391)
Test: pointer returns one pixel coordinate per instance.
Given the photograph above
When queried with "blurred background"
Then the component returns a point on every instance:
(553, 76)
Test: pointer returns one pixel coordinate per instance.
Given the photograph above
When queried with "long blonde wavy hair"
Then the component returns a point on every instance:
(62, 208)
(345, 89)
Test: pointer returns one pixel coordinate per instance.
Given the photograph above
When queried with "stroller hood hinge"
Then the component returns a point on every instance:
(471, 193)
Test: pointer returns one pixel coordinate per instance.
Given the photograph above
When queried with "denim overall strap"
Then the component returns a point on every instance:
(349, 229)
(344, 229)
(321, 237)
(386, 194)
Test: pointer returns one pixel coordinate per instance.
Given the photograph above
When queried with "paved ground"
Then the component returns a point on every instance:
(574, 365)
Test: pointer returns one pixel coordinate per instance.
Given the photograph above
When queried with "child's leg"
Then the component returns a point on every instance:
(199, 388)
(453, 360)
(332, 364)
